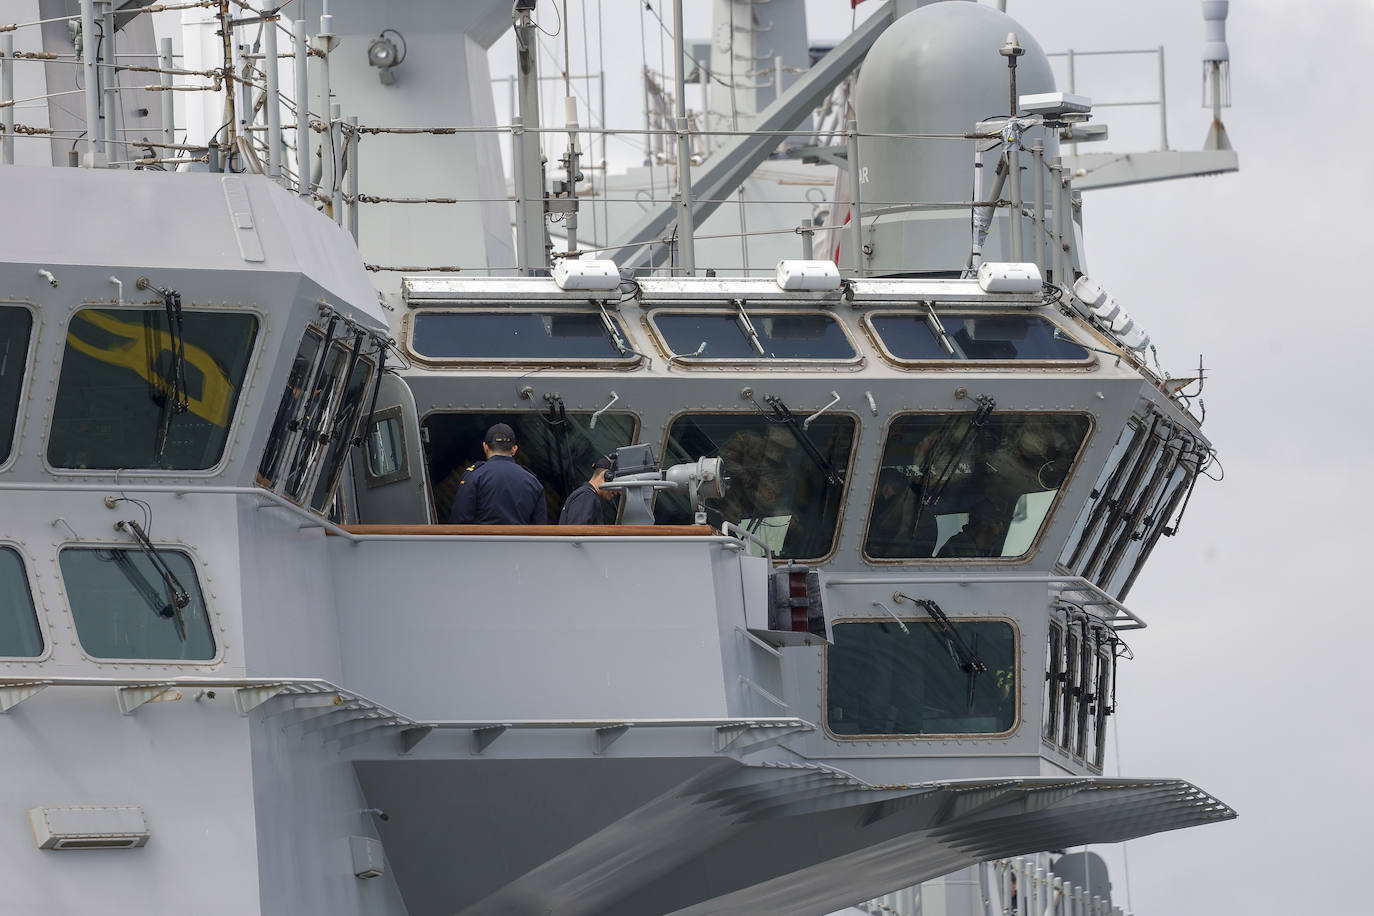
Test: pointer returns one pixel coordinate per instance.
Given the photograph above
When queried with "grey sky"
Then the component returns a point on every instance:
(1246, 681)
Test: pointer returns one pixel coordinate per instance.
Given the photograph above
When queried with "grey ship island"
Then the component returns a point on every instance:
(881, 500)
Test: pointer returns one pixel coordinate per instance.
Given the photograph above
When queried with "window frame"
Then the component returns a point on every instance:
(876, 338)
(287, 447)
(1031, 552)
(622, 363)
(687, 361)
(40, 617)
(923, 620)
(1054, 680)
(848, 468)
(314, 462)
(251, 367)
(402, 471)
(197, 568)
(26, 380)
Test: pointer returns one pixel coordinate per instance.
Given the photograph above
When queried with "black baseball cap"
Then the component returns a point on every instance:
(500, 434)
(604, 463)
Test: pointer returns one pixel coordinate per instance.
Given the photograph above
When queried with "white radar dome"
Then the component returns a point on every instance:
(938, 70)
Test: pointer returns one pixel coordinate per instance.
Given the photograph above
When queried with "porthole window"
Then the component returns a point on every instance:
(136, 392)
(913, 679)
(752, 336)
(124, 607)
(20, 636)
(15, 326)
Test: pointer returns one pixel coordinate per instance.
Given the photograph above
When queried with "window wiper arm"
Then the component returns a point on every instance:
(930, 495)
(789, 419)
(175, 400)
(180, 597)
(747, 326)
(965, 658)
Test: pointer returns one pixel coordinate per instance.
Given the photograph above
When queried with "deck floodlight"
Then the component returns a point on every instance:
(585, 273)
(383, 54)
(808, 275)
(1009, 278)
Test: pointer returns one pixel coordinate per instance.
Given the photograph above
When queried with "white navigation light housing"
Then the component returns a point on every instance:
(1009, 278)
(1054, 105)
(570, 273)
(808, 275)
(1094, 302)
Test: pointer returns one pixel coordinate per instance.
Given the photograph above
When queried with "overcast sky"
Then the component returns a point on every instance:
(1246, 682)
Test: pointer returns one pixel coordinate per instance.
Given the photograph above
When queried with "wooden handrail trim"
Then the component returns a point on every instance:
(577, 531)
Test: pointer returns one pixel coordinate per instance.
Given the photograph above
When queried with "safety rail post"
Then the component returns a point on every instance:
(1163, 108)
(686, 235)
(1014, 217)
(336, 159)
(807, 231)
(273, 104)
(522, 228)
(302, 108)
(111, 80)
(164, 79)
(90, 73)
(1066, 196)
(1056, 184)
(7, 96)
(1038, 223)
(352, 150)
(856, 208)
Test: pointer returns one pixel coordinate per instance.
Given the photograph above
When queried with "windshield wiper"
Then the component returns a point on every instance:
(180, 598)
(932, 493)
(175, 399)
(785, 416)
(747, 326)
(965, 658)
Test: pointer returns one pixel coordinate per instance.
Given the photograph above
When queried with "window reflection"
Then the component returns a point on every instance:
(949, 488)
(981, 338)
(714, 335)
(883, 681)
(340, 432)
(19, 633)
(15, 324)
(122, 609)
(773, 488)
(516, 335)
(115, 397)
(285, 419)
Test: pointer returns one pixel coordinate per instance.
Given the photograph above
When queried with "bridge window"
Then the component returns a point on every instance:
(914, 337)
(785, 485)
(882, 680)
(551, 337)
(339, 429)
(285, 419)
(557, 446)
(134, 393)
(20, 636)
(755, 335)
(15, 324)
(124, 607)
(1054, 680)
(952, 486)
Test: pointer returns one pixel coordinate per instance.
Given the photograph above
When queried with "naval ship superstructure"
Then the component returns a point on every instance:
(860, 619)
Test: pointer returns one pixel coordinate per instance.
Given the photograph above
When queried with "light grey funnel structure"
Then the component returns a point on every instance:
(937, 70)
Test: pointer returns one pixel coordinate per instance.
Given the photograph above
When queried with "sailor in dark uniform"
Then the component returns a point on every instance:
(589, 504)
(498, 491)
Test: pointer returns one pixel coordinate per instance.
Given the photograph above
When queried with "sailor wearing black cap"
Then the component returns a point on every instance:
(498, 491)
(589, 504)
